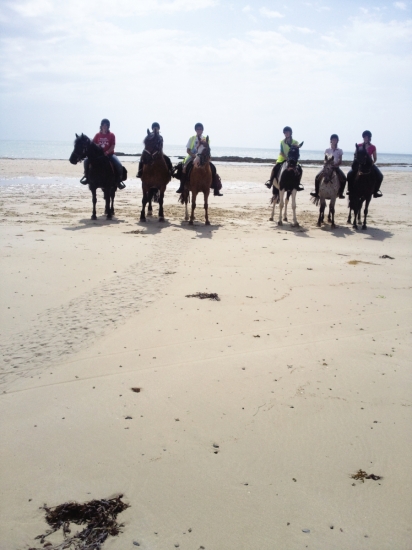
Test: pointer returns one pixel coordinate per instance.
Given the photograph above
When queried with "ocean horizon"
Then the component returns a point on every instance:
(61, 150)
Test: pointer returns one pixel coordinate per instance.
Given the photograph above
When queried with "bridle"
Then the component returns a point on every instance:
(204, 155)
(152, 155)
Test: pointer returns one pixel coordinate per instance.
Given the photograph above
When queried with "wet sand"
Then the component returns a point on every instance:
(254, 411)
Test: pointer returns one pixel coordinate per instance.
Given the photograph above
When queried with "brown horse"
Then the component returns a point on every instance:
(155, 174)
(200, 180)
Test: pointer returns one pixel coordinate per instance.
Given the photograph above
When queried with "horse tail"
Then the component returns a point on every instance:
(315, 201)
(154, 194)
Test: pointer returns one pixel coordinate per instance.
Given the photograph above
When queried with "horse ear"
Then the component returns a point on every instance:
(326, 157)
(357, 146)
(207, 140)
(148, 132)
(299, 146)
(76, 135)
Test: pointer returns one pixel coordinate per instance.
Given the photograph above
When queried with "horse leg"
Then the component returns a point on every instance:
(281, 193)
(332, 212)
(350, 216)
(94, 200)
(186, 209)
(321, 212)
(161, 214)
(285, 217)
(113, 194)
(274, 201)
(295, 221)
(107, 202)
(365, 212)
(144, 202)
(206, 195)
(149, 208)
(192, 216)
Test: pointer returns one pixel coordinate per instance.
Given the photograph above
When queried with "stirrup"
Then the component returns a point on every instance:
(300, 188)
(377, 194)
(121, 185)
(268, 184)
(84, 181)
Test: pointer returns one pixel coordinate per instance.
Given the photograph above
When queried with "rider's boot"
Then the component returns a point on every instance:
(217, 193)
(140, 170)
(317, 185)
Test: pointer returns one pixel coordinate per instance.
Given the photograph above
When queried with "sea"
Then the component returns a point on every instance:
(62, 149)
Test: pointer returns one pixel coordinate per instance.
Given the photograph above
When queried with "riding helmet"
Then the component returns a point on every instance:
(287, 129)
(368, 134)
(155, 125)
(105, 121)
(198, 125)
(334, 136)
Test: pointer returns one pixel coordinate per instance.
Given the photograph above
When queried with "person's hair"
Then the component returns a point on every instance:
(155, 125)
(334, 136)
(367, 133)
(105, 121)
(198, 125)
(287, 129)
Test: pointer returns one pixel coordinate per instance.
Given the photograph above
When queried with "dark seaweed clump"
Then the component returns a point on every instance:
(204, 296)
(98, 516)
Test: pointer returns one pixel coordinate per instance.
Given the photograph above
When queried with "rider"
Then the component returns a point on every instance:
(194, 146)
(337, 155)
(371, 150)
(107, 141)
(285, 145)
(156, 129)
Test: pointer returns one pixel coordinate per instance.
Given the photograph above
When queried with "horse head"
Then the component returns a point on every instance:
(153, 146)
(328, 168)
(294, 154)
(80, 151)
(204, 156)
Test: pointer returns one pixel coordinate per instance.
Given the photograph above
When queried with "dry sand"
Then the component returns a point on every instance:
(254, 411)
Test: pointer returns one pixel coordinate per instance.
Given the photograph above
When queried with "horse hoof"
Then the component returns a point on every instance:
(207, 223)
(280, 223)
(161, 219)
(285, 219)
(271, 219)
(142, 219)
(186, 219)
(190, 222)
(150, 213)
(295, 224)
(94, 217)
(318, 224)
(355, 227)
(333, 226)
(364, 227)
(108, 217)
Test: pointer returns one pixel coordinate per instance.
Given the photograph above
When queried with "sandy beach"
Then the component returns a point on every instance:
(253, 411)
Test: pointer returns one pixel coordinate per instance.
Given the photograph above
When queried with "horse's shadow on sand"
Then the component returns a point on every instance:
(300, 231)
(87, 223)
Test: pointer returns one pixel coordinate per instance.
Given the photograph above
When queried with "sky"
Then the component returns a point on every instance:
(243, 69)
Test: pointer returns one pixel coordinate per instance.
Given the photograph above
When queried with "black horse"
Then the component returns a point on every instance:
(361, 185)
(101, 173)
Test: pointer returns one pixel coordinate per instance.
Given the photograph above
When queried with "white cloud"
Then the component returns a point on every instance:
(265, 12)
(247, 9)
(123, 8)
(291, 28)
(400, 5)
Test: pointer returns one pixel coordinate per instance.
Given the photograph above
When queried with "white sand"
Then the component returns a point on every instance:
(300, 374)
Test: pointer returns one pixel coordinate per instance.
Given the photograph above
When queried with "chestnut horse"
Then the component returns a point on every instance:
(200, 180)
(155, 174)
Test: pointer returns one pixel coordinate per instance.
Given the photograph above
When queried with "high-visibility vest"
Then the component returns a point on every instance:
(284, 150)
(191, 145)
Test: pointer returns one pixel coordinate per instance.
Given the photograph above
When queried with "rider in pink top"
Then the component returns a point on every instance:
(371, 150)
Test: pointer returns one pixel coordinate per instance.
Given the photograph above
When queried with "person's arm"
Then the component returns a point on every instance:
(189, 152)
(374, 156)
(339, 160)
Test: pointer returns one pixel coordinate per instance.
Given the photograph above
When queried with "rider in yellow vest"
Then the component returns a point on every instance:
(285, 145)
(194, 146)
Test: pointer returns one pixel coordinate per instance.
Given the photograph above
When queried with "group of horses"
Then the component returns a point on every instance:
(156, 175)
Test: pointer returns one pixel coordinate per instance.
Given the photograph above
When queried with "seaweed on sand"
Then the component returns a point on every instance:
(99, 516)
(204, 295)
